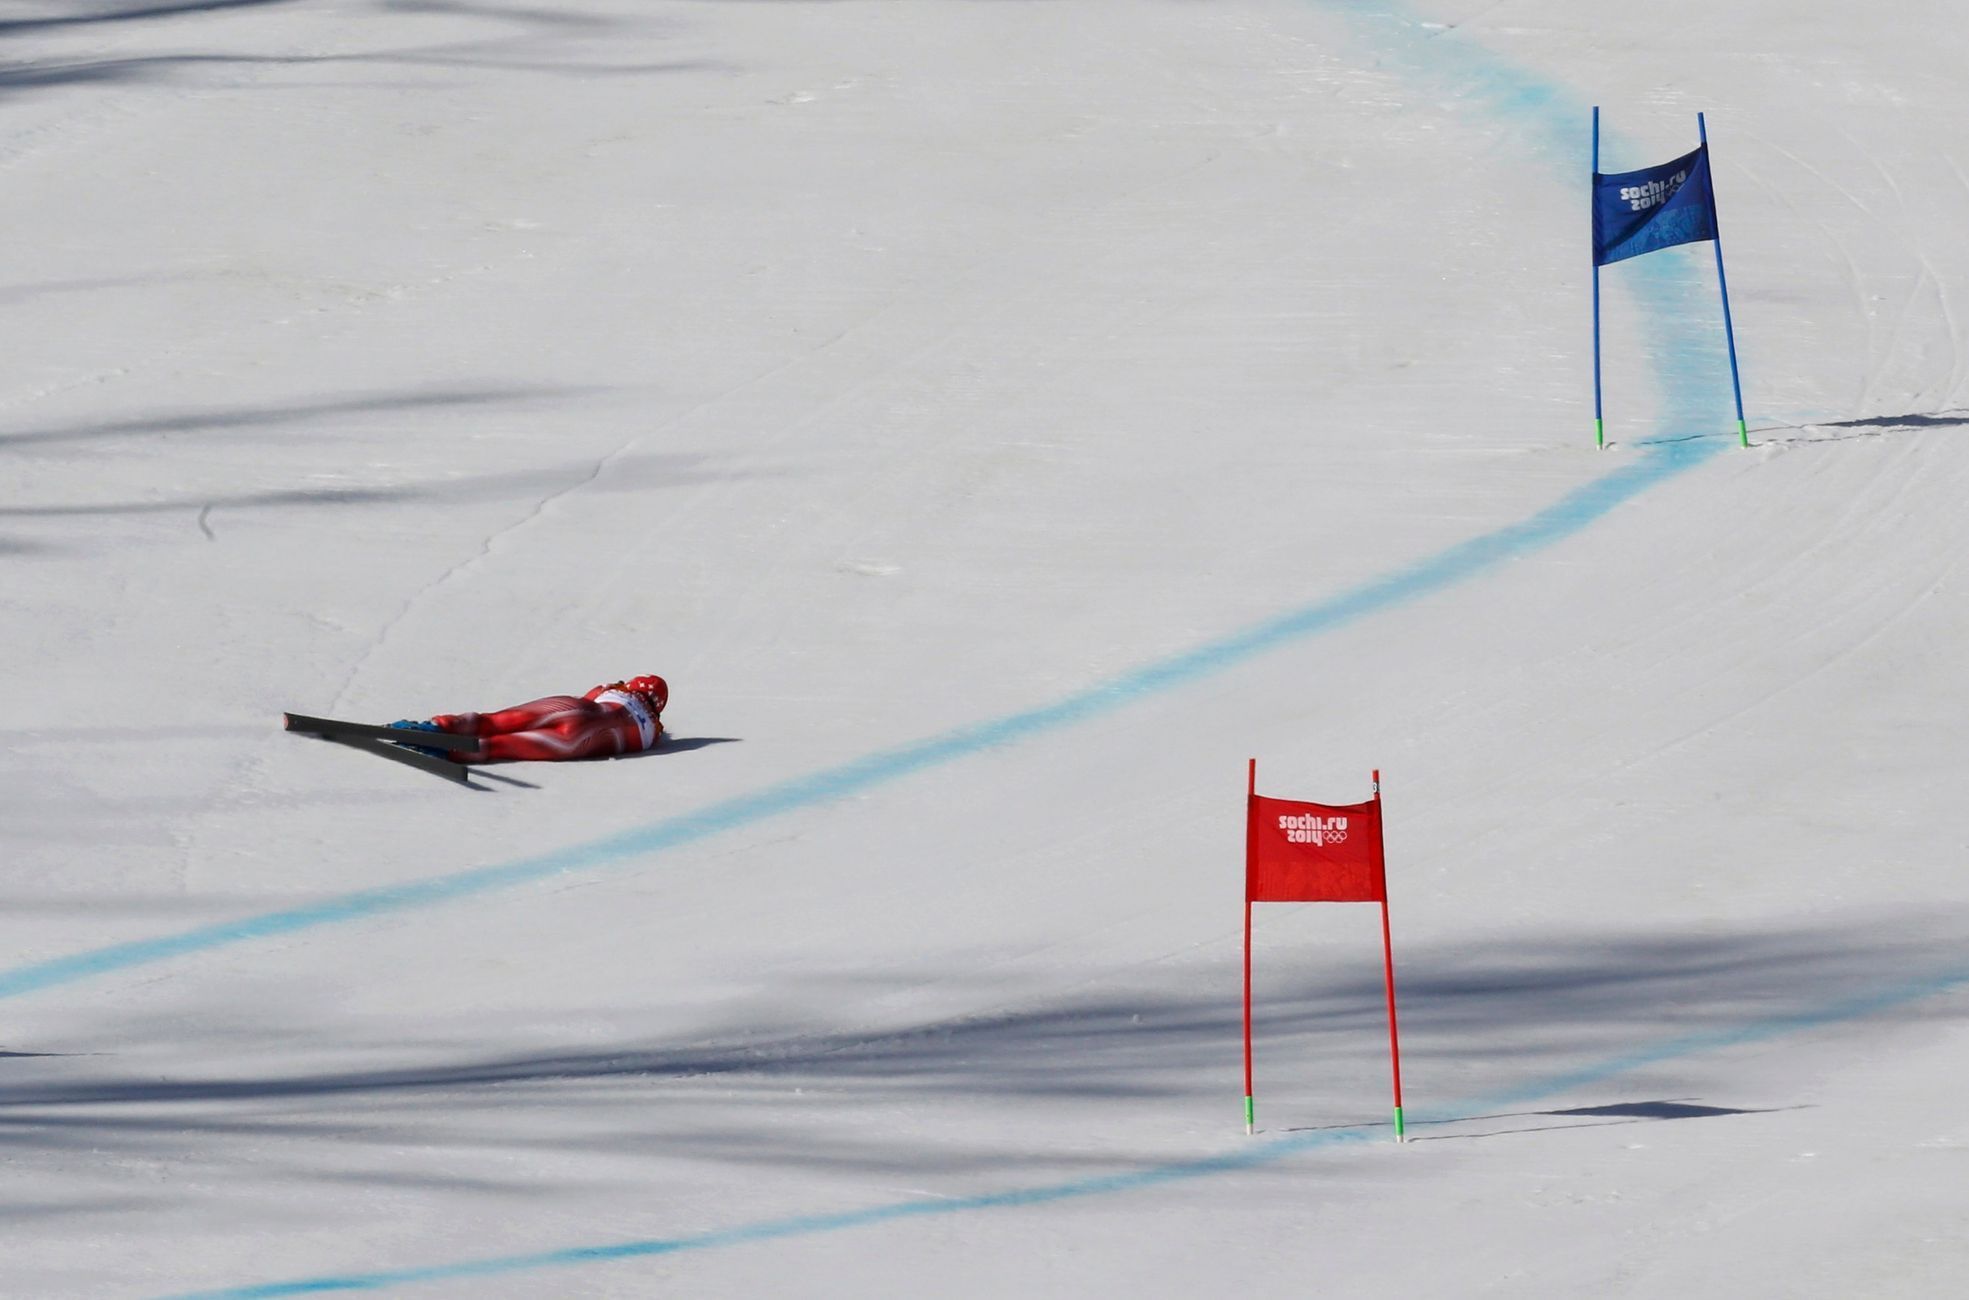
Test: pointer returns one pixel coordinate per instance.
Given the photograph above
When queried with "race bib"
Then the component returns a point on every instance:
(645, 720)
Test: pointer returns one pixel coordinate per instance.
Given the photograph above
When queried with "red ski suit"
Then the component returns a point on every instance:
(620, 718)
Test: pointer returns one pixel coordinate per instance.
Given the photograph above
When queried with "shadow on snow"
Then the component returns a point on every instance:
(1512, 1014)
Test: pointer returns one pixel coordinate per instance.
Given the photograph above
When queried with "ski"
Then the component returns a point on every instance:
(444, 767)
(336, 729)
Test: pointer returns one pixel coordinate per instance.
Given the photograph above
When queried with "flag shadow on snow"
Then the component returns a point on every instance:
(1628, 1112)
(1619, 1113)
(1875, 426)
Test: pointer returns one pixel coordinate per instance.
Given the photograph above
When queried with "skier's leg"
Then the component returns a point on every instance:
(602, 733)
(531, 716)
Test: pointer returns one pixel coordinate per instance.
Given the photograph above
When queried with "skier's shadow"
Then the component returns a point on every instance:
(676, 745)
(669, 745)
(478, 770)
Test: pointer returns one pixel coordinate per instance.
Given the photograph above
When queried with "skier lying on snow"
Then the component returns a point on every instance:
(620, 718)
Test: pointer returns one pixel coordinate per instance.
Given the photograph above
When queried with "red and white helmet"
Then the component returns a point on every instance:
(654, 690)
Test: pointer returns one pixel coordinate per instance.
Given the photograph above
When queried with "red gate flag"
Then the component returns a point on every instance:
(1298, 852)
(1314, 853)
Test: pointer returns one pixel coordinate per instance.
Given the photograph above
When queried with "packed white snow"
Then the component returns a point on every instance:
(998, 422)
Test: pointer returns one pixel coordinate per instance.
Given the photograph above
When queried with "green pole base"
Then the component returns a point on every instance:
(1600, 434)
(1401, 1134)
(1743, 433)
(1250, 1115)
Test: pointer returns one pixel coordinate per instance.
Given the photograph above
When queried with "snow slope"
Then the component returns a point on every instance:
(998, 421)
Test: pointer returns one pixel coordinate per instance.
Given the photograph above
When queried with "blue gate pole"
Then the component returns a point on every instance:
(1729, 332)
(1592, 194)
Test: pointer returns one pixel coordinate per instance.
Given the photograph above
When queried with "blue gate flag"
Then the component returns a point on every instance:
(1656, 207)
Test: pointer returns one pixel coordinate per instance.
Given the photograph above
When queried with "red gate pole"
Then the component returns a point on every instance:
(1388, 959)
(1250, 1107)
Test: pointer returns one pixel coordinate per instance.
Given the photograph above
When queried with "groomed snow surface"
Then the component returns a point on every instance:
(998, 421)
